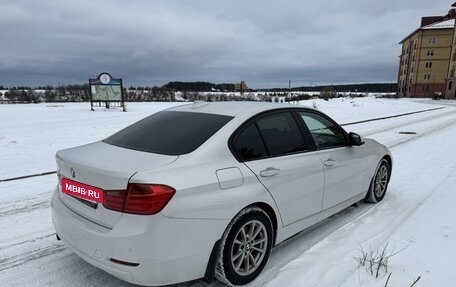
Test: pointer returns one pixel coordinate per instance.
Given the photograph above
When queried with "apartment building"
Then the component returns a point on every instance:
(450, 83)
(425, 59)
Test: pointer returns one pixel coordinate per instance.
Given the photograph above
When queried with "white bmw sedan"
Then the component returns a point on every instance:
(209, 188)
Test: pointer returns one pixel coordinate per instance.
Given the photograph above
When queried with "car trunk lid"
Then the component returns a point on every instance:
(106, 167)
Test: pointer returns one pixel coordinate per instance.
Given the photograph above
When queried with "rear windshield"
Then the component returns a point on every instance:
(169, 132)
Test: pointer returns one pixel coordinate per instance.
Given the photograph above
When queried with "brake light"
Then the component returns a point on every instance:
(114, 199)
(145, 199)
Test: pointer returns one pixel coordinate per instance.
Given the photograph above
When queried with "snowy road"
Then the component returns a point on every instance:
(320, 256)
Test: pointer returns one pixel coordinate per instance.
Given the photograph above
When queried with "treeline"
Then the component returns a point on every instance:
(199, 87)
(62, 93)
(226, 87)
(80, 93)
(187, 91)
(354, 88)
(148, 94)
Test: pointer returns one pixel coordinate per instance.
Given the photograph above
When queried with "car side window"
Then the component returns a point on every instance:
(281, 134)
(248, 144)
(324, 133)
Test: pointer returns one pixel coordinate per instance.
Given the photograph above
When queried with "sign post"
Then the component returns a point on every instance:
(106, 91)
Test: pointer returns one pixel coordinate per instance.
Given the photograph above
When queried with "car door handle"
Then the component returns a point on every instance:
(270, 171)
(330, 162)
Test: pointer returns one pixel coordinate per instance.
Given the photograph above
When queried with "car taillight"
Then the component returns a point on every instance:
(143, 199)
(114, 199)
(147, 198)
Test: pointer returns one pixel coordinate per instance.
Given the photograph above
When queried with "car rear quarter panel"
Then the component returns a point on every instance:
(200, 195)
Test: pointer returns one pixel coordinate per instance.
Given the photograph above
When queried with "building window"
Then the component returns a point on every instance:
(450, 85)
(427, 77)
(431, 40)
(428, 64)
(430, 52)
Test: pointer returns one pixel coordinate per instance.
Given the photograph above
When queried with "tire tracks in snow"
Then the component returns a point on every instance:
(15, 207)
(41, 251)
(426, 131)
(440, 113)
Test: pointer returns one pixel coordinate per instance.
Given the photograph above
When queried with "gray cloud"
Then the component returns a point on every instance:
(264, 43)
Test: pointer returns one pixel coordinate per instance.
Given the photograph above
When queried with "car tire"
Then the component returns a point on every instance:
(245, 247)
(379, 183)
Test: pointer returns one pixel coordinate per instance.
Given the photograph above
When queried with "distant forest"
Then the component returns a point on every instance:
(354, 88)
(78, 93)
(199, 87)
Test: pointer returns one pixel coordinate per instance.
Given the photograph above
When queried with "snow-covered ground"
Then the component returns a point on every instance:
(416, 217)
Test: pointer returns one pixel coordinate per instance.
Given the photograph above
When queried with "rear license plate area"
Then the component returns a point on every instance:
(82, 191)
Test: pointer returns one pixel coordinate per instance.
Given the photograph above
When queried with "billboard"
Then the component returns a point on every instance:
(106, 91)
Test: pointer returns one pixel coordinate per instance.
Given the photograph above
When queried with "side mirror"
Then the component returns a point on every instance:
(355, 139)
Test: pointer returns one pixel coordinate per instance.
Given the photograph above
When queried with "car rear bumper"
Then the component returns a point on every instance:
(168, 250)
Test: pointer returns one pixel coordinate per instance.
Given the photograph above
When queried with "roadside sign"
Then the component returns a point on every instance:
(106, 91)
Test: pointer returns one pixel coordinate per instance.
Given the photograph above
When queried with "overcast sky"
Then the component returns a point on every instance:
(262, 42)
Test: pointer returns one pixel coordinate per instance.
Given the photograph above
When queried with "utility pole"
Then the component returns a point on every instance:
(289, 88)
(242, 87)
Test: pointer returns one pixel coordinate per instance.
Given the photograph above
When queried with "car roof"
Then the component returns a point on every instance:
(231, 108)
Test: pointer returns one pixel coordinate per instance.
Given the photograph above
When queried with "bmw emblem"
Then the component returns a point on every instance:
(73, 174)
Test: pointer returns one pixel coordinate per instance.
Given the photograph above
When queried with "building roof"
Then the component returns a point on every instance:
(447, 24)
(440, 25)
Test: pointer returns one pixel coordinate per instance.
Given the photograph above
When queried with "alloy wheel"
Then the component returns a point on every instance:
(381, 181)
(249, 247)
